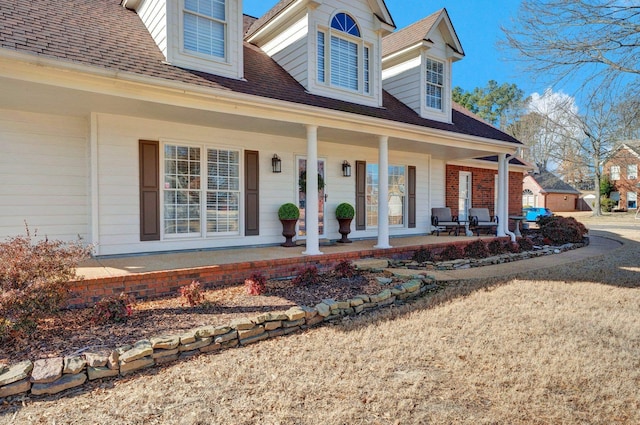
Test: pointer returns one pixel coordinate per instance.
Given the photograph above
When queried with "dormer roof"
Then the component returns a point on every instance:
(420, 32)
(378, 6)
(97, 35)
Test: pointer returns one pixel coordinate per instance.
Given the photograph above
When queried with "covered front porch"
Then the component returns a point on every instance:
(162, 274)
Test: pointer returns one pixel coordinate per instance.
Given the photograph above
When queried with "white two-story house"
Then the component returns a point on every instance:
(159, 125)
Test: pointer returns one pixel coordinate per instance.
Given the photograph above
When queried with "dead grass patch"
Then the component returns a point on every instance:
(524, 352)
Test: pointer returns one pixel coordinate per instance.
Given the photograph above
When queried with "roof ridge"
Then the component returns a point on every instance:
(410, 34)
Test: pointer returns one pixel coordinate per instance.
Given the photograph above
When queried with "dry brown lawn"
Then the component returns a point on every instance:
(552, 347)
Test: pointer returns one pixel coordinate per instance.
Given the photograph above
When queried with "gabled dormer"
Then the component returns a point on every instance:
(332, 47)
(416, 65)
(201, 35)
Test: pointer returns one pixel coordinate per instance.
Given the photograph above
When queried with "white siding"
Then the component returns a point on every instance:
(439, 53)
(153, 14)
(118, 182)
(405, 78)
(290, 51)
(438, 177)
(288, 44)
(404, 83)
(44, 174)
(293, 45)
(231, 66)
(362, 13)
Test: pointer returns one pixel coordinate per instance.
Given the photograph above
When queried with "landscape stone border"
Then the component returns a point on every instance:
(53, 375)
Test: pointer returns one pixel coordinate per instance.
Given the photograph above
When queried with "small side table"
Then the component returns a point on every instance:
(518, 219)
(464, 224)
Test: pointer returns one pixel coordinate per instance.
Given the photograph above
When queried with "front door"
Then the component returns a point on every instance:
(302, 196)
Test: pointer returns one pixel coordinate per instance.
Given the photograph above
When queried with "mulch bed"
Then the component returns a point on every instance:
(72, 331)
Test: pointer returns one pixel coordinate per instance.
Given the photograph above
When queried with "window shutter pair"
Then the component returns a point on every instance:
(361, 196)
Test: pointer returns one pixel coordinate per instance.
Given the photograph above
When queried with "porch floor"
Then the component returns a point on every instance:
(123, 265)
(157, 275)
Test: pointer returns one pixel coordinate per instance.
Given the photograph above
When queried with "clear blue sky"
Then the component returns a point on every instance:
(477, 23)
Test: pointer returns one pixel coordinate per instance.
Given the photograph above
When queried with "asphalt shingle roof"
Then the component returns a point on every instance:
(103, 34)
(410, 35)
(551, 183)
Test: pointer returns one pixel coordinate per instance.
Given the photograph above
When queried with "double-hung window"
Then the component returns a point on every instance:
(615, 172)
(344, 56)
(205, 27)
(435, 84)
(632, 171)
(396, 199)
(201, 191)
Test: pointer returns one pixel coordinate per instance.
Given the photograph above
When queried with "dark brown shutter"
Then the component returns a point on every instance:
(361, 195)
(149, 190)
(411, 194)
(251, 193)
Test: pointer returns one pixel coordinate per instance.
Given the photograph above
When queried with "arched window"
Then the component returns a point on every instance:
(345, 23)
(348, 55)
(528, 198)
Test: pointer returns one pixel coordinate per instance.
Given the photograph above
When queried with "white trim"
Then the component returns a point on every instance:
(383, 193)
(463, 215)
(290, 35)
(225, 23)
(311, 208)
(296, 167)
(203, 190)
(400, 68)
(275, 20)
(94, 182)
(219, 100)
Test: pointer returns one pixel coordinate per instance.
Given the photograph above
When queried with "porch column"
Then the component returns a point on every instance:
(383, 193)
(503, 221)
(311, 208)
(505, 205)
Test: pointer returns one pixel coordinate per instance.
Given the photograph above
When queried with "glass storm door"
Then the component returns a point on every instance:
(464, 195)
(302, 197)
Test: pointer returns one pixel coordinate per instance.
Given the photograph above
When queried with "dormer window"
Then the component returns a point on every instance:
(348, 57)
(435, 83)
(205, 27)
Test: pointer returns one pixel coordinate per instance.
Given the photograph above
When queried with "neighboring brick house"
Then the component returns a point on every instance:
(622, 168)
(155, 125)
(545, 189)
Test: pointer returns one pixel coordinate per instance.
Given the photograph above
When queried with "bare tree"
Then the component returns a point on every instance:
(549, 128)
(599, 126)
(588, 40)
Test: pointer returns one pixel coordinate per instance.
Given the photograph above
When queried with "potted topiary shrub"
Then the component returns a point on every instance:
(288, 214)
(344, 214)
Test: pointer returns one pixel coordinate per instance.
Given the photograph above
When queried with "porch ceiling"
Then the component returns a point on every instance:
(50, 99)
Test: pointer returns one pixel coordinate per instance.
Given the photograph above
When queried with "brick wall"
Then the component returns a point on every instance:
(483, 189)
(167, 283)
(557, 202)
(623, 158)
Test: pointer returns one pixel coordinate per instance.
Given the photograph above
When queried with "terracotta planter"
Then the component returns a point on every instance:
(288, 231)
(345, 229)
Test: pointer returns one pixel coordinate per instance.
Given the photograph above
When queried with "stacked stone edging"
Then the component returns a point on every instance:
(53, 375)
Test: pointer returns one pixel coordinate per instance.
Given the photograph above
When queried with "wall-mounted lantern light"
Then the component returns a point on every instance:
(346, 169)
(276, 164)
